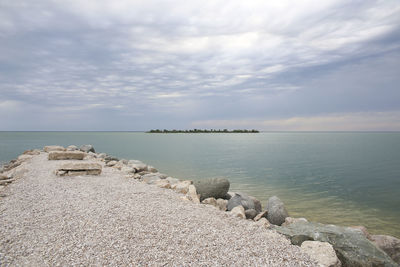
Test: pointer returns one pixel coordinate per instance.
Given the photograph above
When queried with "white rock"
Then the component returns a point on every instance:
(263, 222)
(238, 211)
(192, 194)
(72, 148)
(210, 201)
(53, 148)
(222, 204)
(182, 187)
(261, 215)
(172, 181)
(322, 252)
(24, 157)
(151, 169)
(163, 183)
(111, 163)
(290, 220)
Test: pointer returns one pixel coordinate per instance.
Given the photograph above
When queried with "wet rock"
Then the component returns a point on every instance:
(238, 211)
(321, 252)
(351, 246)
(74, 169)
(257, 204)
(240, 199)
(53, 148)
(87, 148)
(389, 244)
(277, 212)
(250, 214)
(362, 229)
(212, 187)
(290, 220)
(66, 155)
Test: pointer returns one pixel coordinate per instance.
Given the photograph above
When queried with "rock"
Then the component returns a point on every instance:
(229, 195)
(119, 165)
(238, 211)
(263, 222)
(192, 194)
(182, 187)
(261, 215)
(24, 157)
(222, 204)
(212, 187)
(6, 181)
(11, 165)
(250, 213)
(74, 169)
(111, 158)
(4, 177)
(210, 201)
(351, 246)
(72, 148)
(321, 252)
(53, 148)
(172, 181)
(128, 170)
(138, 165)
(389, 244)
(111, 163)
(32, 152)
(87, 148)
(102, 155)
(66, 155)
(150, 179)
(163, 184)
(257, 204)
(276, 211)
(363, 230)
(151, 169)
(290, 220)
(240, 199)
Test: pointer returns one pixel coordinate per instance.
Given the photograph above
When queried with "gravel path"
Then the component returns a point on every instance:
(47, 220)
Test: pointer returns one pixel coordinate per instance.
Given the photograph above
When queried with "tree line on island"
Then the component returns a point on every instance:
(203, 131)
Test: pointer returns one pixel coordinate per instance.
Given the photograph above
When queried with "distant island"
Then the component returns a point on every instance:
(203, 131)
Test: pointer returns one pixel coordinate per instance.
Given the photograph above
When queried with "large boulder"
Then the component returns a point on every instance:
(74, 169)
(351, 246)
(257, 204)
(241, 199)
(87, 148)
(277, 212)
(389, 244)
(321, 252)
(212, 187)
(66, 155)
(250, 214)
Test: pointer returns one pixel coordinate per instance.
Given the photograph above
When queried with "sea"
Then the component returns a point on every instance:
(342, 178)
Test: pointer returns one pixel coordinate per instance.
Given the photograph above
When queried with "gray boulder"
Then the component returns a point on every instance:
(87, 148)
(389, 244)
(257, 204)
(250, 214)
(240, 199)
(351, 246)
(212, 187)
(277, 212)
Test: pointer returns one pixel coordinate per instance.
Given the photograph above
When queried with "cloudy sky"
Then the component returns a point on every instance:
(139, 65)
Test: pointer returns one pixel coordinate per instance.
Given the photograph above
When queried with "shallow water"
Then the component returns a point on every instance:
(338, 178)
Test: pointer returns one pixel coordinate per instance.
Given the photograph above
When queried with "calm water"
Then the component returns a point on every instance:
(338, 178)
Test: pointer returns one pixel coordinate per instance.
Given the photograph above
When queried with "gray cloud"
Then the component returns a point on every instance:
(135, 65)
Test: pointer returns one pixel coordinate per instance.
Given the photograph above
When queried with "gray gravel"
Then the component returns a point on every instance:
(47, 220)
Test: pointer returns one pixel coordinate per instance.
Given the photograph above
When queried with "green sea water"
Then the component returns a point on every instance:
(336, 178)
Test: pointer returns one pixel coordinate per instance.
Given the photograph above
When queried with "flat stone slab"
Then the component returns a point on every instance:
(53, 148)
(65, 155)
(75, 169)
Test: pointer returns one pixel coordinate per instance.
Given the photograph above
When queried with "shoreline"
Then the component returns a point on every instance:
(138, 171)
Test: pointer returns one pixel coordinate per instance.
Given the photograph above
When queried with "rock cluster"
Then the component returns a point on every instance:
(329, 245)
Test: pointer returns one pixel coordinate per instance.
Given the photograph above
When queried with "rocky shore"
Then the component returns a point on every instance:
(73, 206)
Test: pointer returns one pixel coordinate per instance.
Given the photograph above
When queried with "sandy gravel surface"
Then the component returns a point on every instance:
(47, 220)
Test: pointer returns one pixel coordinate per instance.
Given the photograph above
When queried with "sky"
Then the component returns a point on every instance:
(126, 65)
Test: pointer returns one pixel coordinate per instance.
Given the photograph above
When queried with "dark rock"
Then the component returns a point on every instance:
(212, 187)
(250, 214)
(389, 244)
(240, 199)
(351, 246)
(276, 211)
(257, 204)
(87, 148)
